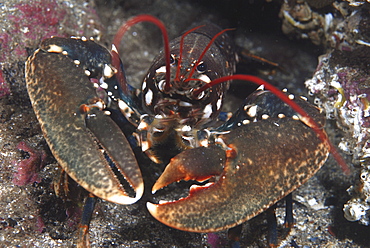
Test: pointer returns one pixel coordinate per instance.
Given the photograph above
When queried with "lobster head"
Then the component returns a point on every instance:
(197, 57)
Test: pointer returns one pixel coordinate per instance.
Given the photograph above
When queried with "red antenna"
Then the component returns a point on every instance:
(122, 30)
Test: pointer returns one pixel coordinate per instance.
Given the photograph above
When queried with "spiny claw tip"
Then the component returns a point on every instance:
(158, 185)
(126, 200)
(152, 208)
(171, 174)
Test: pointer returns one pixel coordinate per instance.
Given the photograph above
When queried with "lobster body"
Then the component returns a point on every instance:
(256, 158)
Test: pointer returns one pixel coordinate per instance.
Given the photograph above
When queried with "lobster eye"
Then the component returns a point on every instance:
(172, 59)
(202, 67)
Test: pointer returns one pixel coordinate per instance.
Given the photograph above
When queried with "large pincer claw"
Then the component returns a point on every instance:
(86, 142)
(265, 161)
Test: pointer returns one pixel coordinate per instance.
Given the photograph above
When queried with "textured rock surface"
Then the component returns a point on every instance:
(341, 84)
(32, 215)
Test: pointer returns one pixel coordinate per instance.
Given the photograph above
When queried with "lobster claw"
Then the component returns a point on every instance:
(265, 161)
(199, 164)
(118, 149)
(87, 143)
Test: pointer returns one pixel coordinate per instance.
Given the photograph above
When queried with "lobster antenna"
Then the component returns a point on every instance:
(181, 50)
(205, 50)
(308, 120)
(146, 18)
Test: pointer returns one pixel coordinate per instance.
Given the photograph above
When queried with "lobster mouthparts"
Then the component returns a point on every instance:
(269, 159)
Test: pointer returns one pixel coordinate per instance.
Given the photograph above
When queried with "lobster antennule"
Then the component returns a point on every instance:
(182, 48)
(305, 117)
(160, 25)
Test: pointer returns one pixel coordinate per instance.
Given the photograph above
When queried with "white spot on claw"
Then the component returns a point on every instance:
(55, 49)
(245, 122)
(124, 107)
(104, 85)
(100, 105)
(252, 111)
(108, 72)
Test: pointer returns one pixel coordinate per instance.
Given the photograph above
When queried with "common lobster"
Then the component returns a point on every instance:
(268, 148)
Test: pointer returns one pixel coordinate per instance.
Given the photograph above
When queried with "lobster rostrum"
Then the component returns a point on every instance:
(268, 148)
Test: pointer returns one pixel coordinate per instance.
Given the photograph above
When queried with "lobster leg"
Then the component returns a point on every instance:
(79, 135)
(272, 221)
(289, 218)
(83, 229)
(233, 235)
(272, 239)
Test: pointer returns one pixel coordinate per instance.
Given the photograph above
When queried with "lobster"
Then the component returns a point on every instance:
(76, 87)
